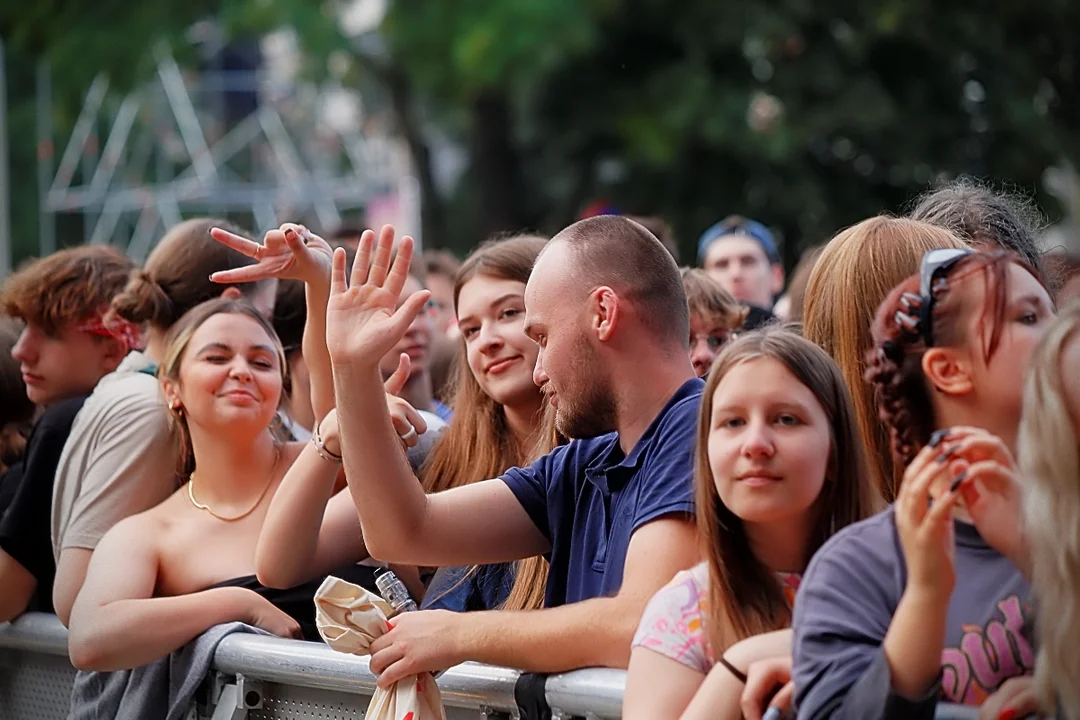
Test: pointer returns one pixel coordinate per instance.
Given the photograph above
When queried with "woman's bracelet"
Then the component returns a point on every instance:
(320, 447)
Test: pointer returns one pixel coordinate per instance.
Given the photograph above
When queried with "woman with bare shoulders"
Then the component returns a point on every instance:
(162, 577)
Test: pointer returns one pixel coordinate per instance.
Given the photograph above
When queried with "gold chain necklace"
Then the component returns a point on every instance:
(201, 506)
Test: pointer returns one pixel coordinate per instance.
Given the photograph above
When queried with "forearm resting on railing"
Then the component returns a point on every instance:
(592, 633)
(125, 634)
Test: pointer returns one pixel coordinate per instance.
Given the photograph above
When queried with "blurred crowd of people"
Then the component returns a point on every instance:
(853, 492)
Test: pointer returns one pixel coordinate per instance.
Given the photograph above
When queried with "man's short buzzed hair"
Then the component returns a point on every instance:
(615, 251)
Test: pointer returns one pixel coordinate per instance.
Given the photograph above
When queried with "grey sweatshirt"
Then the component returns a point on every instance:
(846, 602)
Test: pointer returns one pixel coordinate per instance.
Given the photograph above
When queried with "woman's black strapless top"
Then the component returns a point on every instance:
(299, 602)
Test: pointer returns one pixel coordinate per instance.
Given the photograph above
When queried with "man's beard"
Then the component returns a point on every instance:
(587, 408)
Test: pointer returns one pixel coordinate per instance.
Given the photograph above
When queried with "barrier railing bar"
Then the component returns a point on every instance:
(596, 691)
(312, 665)
(593, 693)
(35, 632)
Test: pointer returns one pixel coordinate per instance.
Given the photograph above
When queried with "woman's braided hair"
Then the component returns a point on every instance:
(894, 362)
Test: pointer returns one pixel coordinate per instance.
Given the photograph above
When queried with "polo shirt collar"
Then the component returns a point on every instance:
(611, 469)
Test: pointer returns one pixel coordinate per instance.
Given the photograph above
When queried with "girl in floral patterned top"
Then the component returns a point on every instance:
(780, 468)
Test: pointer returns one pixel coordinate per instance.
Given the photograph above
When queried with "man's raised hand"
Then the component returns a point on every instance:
(288, 253)
(363, 320)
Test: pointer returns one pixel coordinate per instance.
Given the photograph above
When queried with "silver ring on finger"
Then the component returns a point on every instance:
(409, 436)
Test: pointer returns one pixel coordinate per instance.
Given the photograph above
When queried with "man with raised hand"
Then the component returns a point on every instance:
(612, 509)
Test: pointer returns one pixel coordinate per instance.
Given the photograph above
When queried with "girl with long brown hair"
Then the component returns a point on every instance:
(779, 469)
(498, 423)
(499, 416)
(925, 601)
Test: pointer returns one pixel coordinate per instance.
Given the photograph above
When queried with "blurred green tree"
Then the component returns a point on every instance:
(807, 116)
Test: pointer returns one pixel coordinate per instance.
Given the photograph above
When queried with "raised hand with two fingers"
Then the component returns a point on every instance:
(363, 320)
(290, 252)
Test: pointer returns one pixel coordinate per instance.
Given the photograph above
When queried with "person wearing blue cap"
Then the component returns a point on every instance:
(742, 255)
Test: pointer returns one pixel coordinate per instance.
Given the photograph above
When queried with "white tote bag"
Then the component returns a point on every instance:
(349, 618)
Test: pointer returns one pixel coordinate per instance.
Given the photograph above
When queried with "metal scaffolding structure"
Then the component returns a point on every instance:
(171, 150)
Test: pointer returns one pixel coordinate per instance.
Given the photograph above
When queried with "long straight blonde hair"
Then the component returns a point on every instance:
(1049, 451)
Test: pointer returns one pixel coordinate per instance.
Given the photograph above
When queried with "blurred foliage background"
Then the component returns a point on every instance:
(807, 116)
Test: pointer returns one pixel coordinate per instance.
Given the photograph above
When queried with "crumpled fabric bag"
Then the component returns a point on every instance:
(349, 618)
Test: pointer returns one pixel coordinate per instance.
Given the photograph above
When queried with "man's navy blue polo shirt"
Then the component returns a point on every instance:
(588, 497)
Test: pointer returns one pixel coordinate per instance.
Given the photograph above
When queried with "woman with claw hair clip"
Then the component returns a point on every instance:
(926, 601)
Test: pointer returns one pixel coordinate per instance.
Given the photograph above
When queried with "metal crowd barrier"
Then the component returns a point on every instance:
(266, 678)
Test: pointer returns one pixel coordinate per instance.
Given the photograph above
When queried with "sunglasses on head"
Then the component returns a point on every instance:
(934, 266)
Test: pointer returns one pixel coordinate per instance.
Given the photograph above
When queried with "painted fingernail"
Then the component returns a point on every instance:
(772, 713)
(1007, 714)
(938, 436)
(947, 454)
(958, 480)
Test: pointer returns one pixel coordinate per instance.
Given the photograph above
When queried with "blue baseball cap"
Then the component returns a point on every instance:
(737, 225)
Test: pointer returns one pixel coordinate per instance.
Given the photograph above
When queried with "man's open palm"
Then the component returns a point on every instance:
(363, 320)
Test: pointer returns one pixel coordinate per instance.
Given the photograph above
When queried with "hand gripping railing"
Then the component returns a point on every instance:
(250, 661)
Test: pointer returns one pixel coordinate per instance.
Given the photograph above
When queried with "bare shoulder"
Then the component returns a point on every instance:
(148, 527)
(133, 535)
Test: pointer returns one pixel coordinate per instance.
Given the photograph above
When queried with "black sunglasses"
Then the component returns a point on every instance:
(935, 264)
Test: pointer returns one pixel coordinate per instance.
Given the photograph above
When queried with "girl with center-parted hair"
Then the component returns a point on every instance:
(780, 468)
(162, 577)
(499, 421)
(924, 601)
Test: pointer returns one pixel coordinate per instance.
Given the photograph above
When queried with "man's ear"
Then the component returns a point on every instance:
(232, 293)
(604, 305)
(948, 371)
(777, 278)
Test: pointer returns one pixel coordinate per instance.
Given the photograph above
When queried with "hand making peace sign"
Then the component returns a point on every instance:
(289, 253)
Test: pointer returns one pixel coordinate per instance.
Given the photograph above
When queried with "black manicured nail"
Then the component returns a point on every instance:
(946, 455)
(957, 480)
(937, 437)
